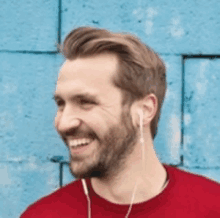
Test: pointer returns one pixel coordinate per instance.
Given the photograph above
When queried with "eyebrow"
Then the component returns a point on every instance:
(85, 95)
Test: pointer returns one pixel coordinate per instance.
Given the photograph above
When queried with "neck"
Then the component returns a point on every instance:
(150, 180)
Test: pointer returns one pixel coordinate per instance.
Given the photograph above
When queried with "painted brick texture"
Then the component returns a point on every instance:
(28, 25)
(172, 26)
(202, 128)
(188, 134)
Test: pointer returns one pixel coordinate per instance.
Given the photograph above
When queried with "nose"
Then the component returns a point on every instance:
(66, 121)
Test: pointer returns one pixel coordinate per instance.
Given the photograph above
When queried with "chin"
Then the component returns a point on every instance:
(79, 171)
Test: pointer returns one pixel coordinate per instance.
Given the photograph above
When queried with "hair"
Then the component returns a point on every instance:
(140, 72)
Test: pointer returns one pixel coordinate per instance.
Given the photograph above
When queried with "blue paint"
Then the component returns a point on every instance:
(168, 140)
(5, 177)
(201, 147)
(27, 126)
(28, 25)
(167, 26)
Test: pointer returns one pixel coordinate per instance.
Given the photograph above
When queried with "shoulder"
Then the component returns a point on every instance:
(194, 188)
(192, 179)
(50, 205)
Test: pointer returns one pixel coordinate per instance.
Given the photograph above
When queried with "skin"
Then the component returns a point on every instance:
(114, 158)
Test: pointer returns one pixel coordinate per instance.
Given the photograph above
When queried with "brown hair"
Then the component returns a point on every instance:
(140, 73)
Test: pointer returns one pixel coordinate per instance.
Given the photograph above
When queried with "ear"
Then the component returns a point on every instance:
(147, 108)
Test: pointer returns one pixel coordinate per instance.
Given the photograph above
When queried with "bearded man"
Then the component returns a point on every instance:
(109, 95)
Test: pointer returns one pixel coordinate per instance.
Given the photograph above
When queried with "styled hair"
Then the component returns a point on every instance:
(140, 72)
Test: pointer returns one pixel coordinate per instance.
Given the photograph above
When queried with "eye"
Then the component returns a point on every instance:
(85, 101)
(59, 103)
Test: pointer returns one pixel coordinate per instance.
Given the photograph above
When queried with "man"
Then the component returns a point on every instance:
(109, 94)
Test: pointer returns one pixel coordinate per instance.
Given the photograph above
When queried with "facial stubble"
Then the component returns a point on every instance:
(113, 151)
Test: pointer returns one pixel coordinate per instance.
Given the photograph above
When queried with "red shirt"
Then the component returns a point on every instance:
(186, 196)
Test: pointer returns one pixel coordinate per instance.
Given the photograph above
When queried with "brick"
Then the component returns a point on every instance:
(167, 26)
(23, 183)
(29, 25)
(27, 112)
(201, 113)
(167, 142)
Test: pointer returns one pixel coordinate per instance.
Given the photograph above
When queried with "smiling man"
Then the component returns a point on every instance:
(109, 95)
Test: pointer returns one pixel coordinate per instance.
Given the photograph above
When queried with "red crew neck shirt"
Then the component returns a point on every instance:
(186, 196)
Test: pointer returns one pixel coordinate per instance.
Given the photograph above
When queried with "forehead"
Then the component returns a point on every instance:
(99, 67)
(91, 73)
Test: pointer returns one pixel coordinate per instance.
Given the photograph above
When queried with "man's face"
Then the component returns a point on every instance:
(89, 111)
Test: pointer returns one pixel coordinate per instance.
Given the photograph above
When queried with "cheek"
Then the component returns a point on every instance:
(98, 124)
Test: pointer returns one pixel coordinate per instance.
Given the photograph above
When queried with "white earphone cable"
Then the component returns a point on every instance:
(89, 206)
(132, 199)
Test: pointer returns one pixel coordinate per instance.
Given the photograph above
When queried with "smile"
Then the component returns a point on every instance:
(80, 142)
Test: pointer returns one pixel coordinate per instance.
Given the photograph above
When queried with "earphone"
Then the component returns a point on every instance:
(141, 116)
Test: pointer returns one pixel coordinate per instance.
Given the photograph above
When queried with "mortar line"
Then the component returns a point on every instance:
(61, 174)
(210, 56)
(29, 52)
(59, 23)
(182, 111)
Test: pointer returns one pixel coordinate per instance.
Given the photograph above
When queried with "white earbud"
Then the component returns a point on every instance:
(141, 114)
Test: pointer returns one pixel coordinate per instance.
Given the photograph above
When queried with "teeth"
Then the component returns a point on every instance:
(77, 142)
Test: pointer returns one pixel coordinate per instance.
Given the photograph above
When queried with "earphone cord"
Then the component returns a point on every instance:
(142, 145)
(89, 206)
(129, 210)
(132, 199)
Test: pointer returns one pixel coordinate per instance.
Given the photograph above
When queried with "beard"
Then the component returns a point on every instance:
(109, 158)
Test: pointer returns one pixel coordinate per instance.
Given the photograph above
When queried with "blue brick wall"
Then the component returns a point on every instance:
(185, 34)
